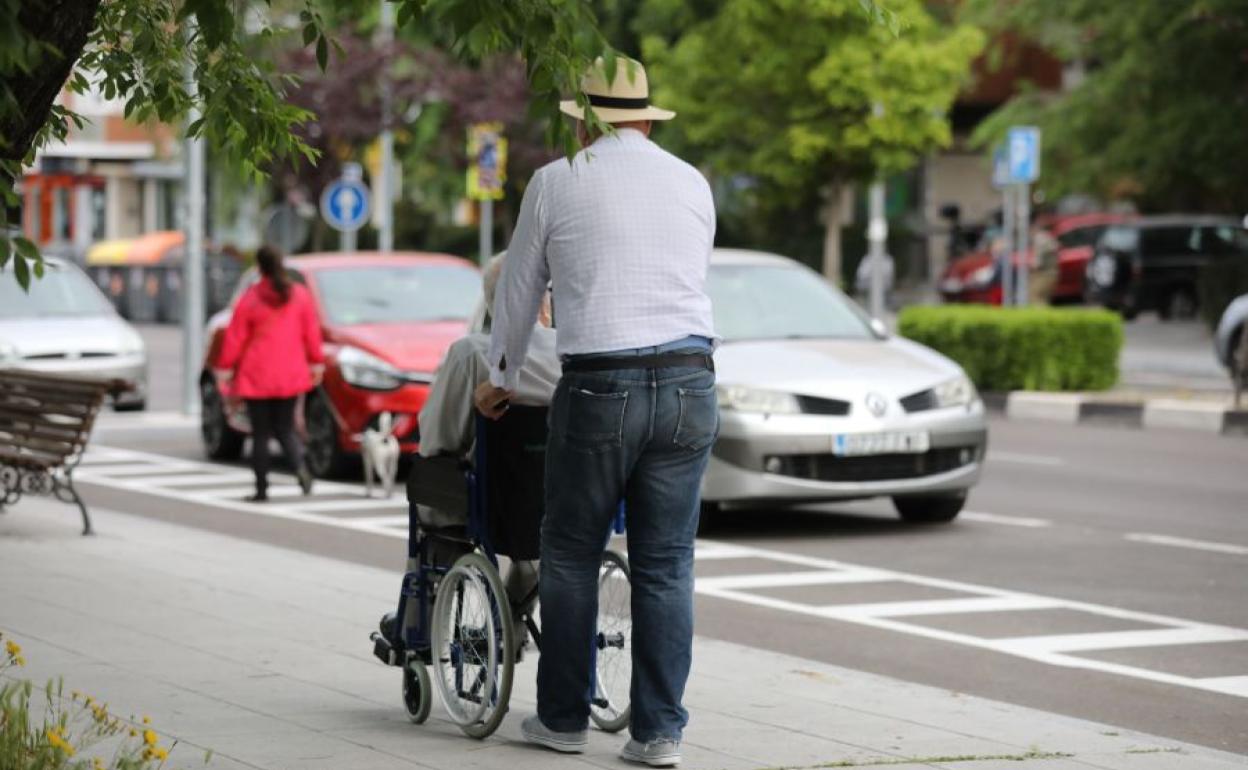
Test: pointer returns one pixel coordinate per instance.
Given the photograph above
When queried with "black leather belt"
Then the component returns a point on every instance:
(656, 361)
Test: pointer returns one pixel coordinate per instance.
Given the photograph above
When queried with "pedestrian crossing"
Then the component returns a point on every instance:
(1043, 629)
(1068, 633)
(332, 503)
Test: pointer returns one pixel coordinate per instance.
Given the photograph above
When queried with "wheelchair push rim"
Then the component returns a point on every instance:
(610, 707)
(473, 648)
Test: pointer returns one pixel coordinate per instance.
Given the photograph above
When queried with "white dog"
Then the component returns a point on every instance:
(380, 450)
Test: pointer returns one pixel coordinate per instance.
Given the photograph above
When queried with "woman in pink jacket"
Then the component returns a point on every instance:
(273, 347)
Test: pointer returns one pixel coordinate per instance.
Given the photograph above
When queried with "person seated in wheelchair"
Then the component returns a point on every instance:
(515, 445)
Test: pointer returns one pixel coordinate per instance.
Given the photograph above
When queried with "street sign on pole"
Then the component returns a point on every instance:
(385, 184)
(487, 171)
(345, 204)
(1000, 168)
(1023, 153)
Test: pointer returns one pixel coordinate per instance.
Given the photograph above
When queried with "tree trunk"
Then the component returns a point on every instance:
(834, 218)
(64, 25)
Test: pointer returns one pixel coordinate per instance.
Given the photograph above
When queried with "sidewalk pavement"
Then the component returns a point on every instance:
(262, 655)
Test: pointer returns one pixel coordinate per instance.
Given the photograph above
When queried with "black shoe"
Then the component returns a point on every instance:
(305, 481)
(257, 497)
(388, 626)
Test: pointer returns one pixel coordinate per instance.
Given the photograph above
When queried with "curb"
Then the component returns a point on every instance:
(1083, 409)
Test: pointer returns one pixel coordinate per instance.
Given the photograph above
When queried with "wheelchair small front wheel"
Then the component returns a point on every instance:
(613, 662)
(473, 648)
(417, 690)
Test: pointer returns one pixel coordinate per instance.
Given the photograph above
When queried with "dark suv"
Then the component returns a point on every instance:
(1152, 263)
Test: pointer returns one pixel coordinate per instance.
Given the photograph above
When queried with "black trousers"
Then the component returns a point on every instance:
(272, 417)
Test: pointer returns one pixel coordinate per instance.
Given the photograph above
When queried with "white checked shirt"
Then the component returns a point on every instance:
(626, 236)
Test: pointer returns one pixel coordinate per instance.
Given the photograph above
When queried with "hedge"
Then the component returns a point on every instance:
(1033, 348)
(1217, 285)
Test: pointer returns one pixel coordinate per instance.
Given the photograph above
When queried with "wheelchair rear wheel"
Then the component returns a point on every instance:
(613, 662)
(417, 690)
(473, 648)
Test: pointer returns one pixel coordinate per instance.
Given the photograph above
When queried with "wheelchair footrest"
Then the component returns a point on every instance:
(385, 651)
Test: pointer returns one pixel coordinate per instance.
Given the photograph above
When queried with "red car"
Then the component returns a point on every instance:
(976, 277)
(387, 320)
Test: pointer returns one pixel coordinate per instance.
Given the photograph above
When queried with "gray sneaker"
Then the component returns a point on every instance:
(569, 743)
(663, 752)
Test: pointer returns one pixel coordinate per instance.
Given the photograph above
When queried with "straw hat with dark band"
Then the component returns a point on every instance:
(625, 99)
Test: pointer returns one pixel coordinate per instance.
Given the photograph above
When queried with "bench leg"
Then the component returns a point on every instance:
(66, 491)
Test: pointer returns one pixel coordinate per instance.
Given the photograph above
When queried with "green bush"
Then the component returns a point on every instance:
(1218, 284)
(1038, 348)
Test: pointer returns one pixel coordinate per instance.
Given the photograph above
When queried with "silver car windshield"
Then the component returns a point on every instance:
(63, 291)
(373, 295)
(760, 302)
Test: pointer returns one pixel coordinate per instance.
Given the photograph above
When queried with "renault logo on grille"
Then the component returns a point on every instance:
(876, 404)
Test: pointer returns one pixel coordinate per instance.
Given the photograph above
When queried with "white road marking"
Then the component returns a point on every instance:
(382, 521)
(1231, 685)
(145, 420)
(1024, 459)
(238, 493)
(1052, 650)
(141, 468)
(1012, 521)
(199, 479)
(792, 579)
(1183, 542)
(363, 504)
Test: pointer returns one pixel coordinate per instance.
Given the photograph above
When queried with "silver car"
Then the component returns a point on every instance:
(819, 403)
(65, 325)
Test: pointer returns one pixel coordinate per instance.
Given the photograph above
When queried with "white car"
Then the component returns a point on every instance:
(65, 325)
(819, 403)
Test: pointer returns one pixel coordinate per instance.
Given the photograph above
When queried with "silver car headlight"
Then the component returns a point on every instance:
(1103, 270)
(132, 345)
(365, 370)
(959, 391)
(742, 399)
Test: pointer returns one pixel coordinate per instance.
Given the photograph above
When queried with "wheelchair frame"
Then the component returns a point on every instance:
(409, 642)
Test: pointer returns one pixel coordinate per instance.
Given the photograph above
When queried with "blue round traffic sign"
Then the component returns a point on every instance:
(345, 204)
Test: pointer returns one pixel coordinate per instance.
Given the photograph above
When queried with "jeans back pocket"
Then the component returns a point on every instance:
(698, 422)
(595, 420)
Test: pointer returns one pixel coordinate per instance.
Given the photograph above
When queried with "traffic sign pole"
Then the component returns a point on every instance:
(193, 264)
(385, 185)
(486, 236)
(1024, 238)
(1007, 232)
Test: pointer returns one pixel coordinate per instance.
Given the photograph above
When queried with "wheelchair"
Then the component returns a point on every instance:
(454, 615)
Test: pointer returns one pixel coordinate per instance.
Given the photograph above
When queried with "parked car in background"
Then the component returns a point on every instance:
(1230, 343)
(817, 402)
(1152, 263)
(387, 320)
(65, 325)
(1061, 249)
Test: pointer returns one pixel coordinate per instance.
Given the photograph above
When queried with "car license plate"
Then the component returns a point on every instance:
(883, 443)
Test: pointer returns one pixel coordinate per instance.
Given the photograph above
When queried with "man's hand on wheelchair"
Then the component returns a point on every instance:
(491, 401)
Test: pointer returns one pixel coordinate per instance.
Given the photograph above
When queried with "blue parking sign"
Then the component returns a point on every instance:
(1023, 154)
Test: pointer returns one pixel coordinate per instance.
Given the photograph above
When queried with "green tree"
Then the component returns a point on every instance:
(799, 98)
(1161, 112)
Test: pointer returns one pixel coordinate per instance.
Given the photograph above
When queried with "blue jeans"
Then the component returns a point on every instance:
(642, 436)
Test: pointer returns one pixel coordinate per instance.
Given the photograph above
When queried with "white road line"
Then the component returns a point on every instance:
(382, 521)
(1024, 459)
(200, 479)
(901, 609)
(1231, 685)
(1119, 640)
(1012, 521)
(791, 579)
(1183, 542)
(362, 504)
(238, 493)
(138, 469)
(1038, 648)
(719, 551)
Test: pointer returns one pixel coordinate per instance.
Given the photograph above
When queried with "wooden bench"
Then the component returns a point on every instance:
(45, 422)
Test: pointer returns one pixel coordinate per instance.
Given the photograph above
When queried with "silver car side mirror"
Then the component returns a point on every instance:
(879, 328)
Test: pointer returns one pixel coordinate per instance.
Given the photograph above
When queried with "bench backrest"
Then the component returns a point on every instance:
(45, 419)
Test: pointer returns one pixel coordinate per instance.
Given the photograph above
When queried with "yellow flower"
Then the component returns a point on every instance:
(57, 741)
(147, 720)
(133, 732)
(97, 764)
(19, 660)
(12, 648)
(160, 753)
(149, 737)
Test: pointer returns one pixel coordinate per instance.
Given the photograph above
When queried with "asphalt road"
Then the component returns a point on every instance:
(1098, 572)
